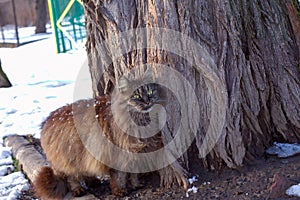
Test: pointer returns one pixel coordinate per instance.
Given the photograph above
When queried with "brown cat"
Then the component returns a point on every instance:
(68, 131)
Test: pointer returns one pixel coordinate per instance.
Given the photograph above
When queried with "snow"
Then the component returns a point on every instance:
(284, 150)
(293, 190)
(193, 179)
(12, 184)
(206, 183)
(42, 82)
(5, 161)
(26, 34)
(193, 189)
(5, 169)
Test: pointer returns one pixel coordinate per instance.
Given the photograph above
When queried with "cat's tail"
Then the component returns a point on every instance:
(48, 185)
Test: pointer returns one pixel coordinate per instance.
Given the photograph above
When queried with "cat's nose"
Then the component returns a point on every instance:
(146, 100)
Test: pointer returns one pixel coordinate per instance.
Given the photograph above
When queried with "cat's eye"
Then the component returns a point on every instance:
(150, 92)
(136, 96)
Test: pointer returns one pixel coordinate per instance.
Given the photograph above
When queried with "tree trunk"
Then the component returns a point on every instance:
(4, 82)
(41, 16)
(248, 82)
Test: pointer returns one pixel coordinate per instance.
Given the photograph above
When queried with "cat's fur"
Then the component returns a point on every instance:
(72, 163)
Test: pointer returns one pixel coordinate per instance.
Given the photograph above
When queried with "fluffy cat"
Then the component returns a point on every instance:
(65, 148)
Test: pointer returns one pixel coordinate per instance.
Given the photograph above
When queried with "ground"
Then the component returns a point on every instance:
(267, 178)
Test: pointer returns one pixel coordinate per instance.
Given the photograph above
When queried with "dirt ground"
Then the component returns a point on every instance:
(267, 178)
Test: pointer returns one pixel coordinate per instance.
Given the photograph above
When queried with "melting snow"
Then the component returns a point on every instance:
(193, 179)
(193, 189)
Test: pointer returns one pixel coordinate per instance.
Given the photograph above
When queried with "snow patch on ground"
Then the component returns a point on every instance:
(284, 150)
(293, 190)
(193, 189)
(5, 161)
(192, 180)
(12, 185)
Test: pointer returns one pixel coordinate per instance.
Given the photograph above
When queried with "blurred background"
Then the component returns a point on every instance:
(24, 21)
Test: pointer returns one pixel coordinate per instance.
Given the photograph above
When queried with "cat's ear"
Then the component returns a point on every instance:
(123, 83)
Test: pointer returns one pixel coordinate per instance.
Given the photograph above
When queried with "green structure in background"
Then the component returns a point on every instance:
(68, 22)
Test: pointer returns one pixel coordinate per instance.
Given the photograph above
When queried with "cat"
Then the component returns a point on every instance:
(71, 162)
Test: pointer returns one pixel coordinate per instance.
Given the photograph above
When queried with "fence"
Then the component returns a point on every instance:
(68, 22)
(17, 19)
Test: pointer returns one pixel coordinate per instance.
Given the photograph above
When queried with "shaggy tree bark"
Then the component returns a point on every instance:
(254, 45)
(41, 16)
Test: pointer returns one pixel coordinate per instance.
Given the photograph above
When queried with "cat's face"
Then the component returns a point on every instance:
(139, 95)
(144, 97)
